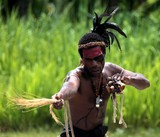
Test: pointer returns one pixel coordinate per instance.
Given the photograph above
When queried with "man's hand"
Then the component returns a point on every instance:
(59, 102)
(123, 78)
(115, 85)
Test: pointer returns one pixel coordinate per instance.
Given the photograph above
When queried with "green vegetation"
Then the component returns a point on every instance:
(36, 54)
(55, 133)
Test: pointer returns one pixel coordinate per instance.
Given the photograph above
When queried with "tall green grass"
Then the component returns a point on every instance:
(36, 54)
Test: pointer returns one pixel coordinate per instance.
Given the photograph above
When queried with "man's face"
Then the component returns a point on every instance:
(93, 60)
(95, 65)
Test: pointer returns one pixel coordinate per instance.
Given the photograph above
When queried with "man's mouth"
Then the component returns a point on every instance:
(95, 70)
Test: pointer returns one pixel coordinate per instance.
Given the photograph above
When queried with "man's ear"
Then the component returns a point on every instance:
(81, 62)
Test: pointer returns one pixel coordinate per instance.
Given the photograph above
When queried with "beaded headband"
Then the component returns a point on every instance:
(91, 44)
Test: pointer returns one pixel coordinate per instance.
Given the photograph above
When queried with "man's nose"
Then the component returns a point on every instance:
(94, 63)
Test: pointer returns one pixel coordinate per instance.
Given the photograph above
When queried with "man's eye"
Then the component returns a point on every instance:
(88, 59)
(99, 58)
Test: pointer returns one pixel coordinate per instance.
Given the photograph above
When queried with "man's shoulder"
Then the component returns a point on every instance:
(112, 68)
(109, 68)
(77, 71)
(109, 64)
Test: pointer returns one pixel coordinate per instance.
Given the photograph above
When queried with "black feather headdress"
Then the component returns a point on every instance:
(103, 28)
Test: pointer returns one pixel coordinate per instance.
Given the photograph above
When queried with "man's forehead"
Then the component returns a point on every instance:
(93, 52)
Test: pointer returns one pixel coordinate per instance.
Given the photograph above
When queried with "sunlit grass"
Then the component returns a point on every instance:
(55, 133)
(36, 55)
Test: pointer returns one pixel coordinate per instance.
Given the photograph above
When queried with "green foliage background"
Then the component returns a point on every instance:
(36, 54)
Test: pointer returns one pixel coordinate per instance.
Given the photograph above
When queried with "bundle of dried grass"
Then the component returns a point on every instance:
(24, 103)
(31, 103)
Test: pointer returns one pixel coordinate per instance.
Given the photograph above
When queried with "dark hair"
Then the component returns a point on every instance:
(91, 37)
(101, 32)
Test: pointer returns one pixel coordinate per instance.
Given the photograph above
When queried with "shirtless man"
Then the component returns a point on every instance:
(89, 86)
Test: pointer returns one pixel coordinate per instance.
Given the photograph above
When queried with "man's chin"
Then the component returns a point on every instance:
(95, 73)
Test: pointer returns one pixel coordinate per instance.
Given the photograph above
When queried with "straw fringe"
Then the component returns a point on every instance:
(32, 103)
(24, 103)
(121, 120)
(36, 103)
(68, 119)
(54, 116)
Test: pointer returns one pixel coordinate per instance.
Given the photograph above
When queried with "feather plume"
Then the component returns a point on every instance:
(102, 28)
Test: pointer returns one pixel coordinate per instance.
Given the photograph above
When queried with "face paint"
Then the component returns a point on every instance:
(92, 52)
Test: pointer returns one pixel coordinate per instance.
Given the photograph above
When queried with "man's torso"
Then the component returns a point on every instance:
(85, 114)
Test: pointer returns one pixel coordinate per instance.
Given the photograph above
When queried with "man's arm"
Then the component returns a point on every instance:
(67, 91)
(134, 79)
(128, 77)
(70, 87)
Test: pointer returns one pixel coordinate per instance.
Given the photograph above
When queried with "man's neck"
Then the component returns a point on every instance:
(90, 75)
